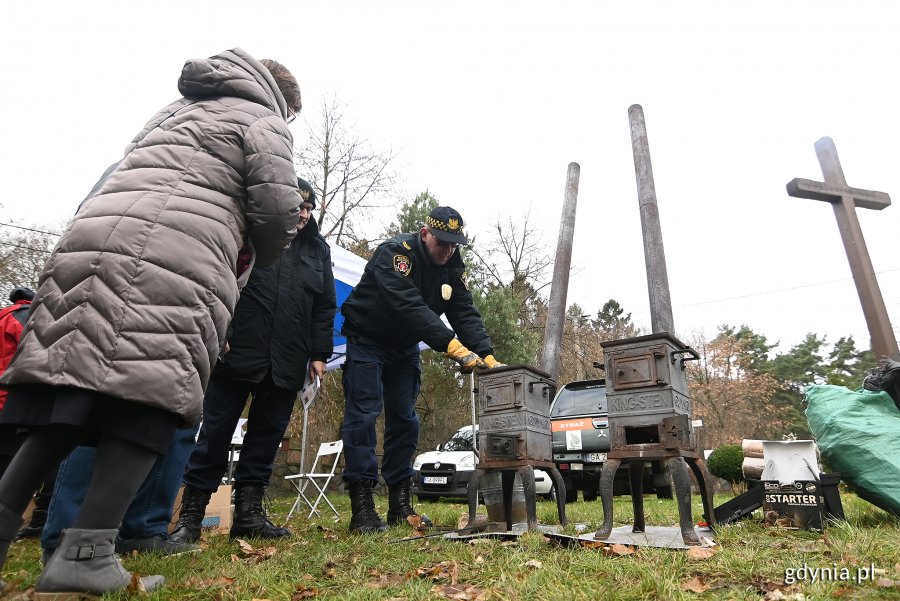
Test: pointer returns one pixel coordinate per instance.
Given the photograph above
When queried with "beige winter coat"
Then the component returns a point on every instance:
(135, 300)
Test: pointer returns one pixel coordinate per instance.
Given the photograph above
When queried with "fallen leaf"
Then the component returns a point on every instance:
(253, 555)
(136, 586)
(618, 549)
(886, 582)
(591, 544)
(416, 522)
(303, 592)
(534, 563)
(695, 585)
(442, 571)
(385, 581)
(479, 560)
(695, 553)
(774, 595)
(464, 592)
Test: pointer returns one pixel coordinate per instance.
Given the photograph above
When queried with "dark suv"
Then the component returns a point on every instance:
(578, 421)
(580, 426)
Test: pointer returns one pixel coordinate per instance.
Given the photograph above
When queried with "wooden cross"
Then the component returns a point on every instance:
(844, 200)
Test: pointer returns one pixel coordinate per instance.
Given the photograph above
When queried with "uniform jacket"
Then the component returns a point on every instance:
(12, 322)
(399, 300)
(136, 297)
(285, 316)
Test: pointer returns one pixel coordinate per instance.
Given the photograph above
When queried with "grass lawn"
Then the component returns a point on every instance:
(323, 561)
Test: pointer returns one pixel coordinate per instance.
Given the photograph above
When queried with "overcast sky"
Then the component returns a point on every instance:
(488, 102)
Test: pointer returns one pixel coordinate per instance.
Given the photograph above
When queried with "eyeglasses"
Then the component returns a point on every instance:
(291, 116)
(442, 243)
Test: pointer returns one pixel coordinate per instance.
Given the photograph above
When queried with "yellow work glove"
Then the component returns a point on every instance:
(492, 363)
(468, 361)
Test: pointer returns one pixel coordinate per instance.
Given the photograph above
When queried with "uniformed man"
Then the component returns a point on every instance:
(410, 281)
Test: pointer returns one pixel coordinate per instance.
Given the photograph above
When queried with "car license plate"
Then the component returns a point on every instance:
(595, 457)
(435, 479)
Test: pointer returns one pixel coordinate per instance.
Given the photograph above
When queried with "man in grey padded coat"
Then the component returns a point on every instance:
(135, 300)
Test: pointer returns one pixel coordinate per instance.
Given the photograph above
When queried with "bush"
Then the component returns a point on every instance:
(725, 462)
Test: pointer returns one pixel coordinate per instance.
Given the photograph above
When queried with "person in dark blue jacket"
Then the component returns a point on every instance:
(282, 333)
(410, 281)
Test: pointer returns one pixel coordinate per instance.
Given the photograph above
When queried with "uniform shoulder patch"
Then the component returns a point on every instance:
(406, 245)
(402, 264)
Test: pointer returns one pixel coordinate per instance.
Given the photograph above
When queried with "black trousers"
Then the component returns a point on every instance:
(268, 418)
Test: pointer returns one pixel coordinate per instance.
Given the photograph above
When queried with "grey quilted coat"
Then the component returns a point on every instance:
(136, 297)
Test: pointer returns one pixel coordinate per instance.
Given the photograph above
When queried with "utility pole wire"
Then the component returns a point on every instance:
(19, 227)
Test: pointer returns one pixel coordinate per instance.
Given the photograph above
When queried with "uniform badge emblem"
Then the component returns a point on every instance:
(446, 292)
(453, 224)
(406, 245)
(402, 264)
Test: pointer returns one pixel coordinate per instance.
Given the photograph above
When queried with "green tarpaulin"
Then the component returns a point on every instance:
(858, 433)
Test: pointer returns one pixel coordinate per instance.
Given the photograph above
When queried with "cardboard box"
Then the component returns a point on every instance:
(795, 505)
(26, 517)
(792, 495)
(219, 511)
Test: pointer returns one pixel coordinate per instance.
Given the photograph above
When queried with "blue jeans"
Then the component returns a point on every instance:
(376, 378)
(149, 513)
(267, 421)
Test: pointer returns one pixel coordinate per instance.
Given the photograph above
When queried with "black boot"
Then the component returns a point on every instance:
(250, 516)
(365, 519)
(85, 564)
(190, 520)
(400, 505)
(10, 521)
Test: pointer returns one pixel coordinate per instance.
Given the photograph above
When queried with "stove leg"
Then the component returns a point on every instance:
(508, 478)
(526, 473)
(560, 494)
(636, 479)
(472, 492)
(682, 480)
(698, 466)
(606, 496)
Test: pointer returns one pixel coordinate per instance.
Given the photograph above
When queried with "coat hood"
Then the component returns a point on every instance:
(231, 73)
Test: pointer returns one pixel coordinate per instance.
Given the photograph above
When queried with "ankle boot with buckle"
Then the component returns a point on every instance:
(250, 517)
(10, 521)
(365, 519)
(85, 564)
(190, 520)
(400, 504)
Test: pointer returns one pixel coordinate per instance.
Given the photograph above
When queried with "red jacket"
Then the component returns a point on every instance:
(12, 322)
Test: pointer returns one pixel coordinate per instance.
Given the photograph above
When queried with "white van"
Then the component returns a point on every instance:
(446, 472)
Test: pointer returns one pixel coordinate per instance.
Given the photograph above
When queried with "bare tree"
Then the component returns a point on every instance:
(23, 252)
(515, 257)
(349, 176)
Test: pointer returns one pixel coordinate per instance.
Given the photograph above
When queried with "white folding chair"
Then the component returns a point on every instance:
(318, 477)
